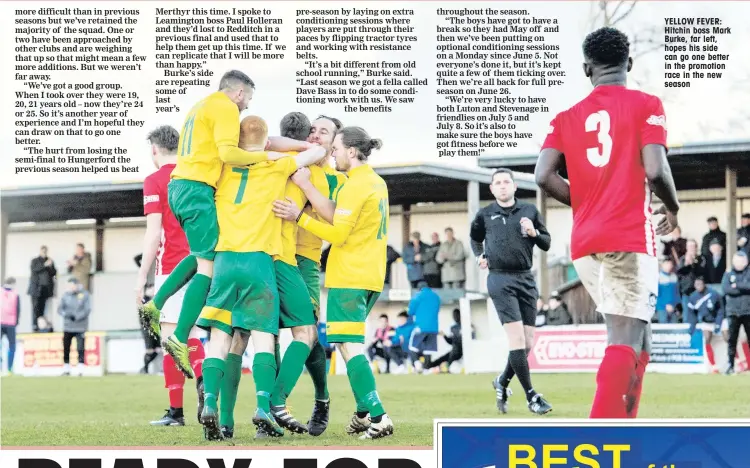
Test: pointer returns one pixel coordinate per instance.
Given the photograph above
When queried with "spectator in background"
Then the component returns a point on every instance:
(80, 266)
(391, 255)
(714, 234)
(456, 342)
(413, 252)
(716, 264)
(10, 310)
(691, 266)
(736, 285)
(378, 347)
(398, 345)
(743, 234)
(675, 246)
(541, 312)
(431, 265)
(43, 325)
(706, 315)
(453, 258)
(557, 312)
(424, 308)
(668, 293)
(75, 308)
(41, 284)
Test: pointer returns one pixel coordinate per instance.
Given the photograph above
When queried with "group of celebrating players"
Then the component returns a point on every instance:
(250, 213)
(235, 223)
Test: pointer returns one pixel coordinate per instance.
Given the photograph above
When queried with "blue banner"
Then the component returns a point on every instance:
(677, 346)
(590, 445)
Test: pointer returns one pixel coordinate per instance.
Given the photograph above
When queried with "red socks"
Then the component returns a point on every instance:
(174, 381)
(197, 354)
(746, 350)
(710, 355)
(634, 397)
(616, 376)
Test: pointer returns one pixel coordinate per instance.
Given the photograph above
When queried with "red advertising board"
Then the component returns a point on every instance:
(569, 350)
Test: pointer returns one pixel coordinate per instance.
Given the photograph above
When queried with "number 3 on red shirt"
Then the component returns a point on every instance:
(599, 120)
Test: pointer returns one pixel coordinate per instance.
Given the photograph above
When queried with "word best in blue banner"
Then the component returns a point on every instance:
(592, 444)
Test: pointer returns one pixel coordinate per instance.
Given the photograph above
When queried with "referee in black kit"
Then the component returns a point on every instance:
(503, 236)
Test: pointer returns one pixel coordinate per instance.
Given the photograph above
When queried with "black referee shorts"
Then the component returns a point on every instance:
(514, 296)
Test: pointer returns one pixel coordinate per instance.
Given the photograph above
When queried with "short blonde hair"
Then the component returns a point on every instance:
(253, 132)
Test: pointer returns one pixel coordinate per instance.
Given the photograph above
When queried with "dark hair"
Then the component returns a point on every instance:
(404, 314)
(449, 229)
(712, 219)
(457, 316)
(80, 244)
(607, 46)
(10, 281)
(385, 316)
(336, 122)
(233, 78)
(746, 216)
(503, 170)
(357, 137)
(43, 247)
(164, 137)
(295, 125)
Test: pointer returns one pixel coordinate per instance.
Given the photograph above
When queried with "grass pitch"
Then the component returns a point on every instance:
(116, 410)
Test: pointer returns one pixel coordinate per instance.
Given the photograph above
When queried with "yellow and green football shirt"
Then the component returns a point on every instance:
(212, 126)
(359, 233)
(327, 181)
(244, 201)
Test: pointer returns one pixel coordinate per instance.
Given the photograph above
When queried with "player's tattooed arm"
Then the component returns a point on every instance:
(549, 179)
(322, 205)
(284, 144)
(310, 156)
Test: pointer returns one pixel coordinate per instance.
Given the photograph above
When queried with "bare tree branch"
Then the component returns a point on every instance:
(624, 15)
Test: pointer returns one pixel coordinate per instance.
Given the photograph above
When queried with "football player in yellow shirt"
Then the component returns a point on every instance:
(209, 138)
(296, 313)
(309, 247)
(244, 297)
(356, 265)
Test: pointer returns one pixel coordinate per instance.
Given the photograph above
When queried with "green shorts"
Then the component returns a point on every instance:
(243, 294)
(310, 272)
(296, 306)
(193, 205)
(346, 314)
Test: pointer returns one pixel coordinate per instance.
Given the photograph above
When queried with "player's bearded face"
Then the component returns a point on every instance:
(244, 95)
(321, 133)
(341, 155)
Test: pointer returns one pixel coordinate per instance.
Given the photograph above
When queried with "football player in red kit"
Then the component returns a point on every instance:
(613, 144)
(165, 243)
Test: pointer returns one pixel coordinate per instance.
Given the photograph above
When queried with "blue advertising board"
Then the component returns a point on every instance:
(675, 345)
(593, 444)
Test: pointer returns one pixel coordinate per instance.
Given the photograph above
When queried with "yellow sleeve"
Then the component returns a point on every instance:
(349, 203)
(288, 164)
(226, 119)
(336, 234)
(347, 211)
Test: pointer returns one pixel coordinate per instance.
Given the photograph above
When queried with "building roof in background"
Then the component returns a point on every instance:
(695, 166)
(407, 183)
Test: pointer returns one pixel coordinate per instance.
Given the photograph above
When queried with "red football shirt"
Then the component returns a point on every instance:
(174, 246)
(601, 138)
